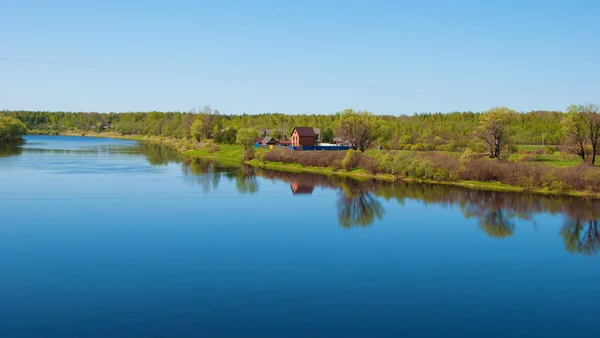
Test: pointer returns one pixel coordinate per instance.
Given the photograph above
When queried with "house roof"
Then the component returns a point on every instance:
(317, 131)
(267, 140)
(284, 142)
(305, 131)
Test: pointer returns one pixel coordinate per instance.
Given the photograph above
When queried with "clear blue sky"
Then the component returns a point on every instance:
(389, 57)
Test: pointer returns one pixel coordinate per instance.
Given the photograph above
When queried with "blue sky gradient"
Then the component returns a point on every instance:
(389, 57)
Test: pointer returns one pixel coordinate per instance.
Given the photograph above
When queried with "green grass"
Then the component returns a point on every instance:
(530, 147)
(229, 153)
(557, 160)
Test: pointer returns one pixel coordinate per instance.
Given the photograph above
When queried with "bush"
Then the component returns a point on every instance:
(512, 149)
(307, 158)
(417, 147)
(550, 150)
(467, 154)
(227, 136)
(351, 159)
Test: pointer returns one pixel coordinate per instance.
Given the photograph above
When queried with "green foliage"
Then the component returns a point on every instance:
(452, 131)
(246, 137)
(417, 147)
(351, 159)
(359, 128)
(327, 136)
(493, 129)
(11, 129)
(226, 136)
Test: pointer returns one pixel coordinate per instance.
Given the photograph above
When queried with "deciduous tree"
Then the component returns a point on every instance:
(575, 131)
(246, 137)
(492, 129)
(358, 128)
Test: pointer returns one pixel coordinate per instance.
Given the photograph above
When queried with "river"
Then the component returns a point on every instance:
(114, 238)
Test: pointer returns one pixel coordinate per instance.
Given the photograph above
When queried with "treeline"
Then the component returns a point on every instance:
(434, 131)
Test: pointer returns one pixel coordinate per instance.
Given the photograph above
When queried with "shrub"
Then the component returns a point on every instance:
(369, 164)
(417, 147)
(550, 150)
(467, 154)
(512, 149)
(306, 158)
(351, 159)
(528, 158)
(214, 148)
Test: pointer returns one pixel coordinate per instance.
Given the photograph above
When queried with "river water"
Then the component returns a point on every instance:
(113, 238)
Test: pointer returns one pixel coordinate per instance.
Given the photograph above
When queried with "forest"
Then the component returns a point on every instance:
(430, 131)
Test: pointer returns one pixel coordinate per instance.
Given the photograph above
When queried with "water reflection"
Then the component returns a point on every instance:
(497, 213)
(300, 188)
(359, 203)
(10, 149)
(581, 237)
(359, 208)
(157, 154)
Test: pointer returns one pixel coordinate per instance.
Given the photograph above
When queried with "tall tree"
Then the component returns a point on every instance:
(582, 128)
(492, 129)
(246, 137)
(358, 128)
(575, 131)
(591, 119)
(327, 135)
(204, 123)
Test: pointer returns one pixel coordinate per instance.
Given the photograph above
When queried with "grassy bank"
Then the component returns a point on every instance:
(359, 174)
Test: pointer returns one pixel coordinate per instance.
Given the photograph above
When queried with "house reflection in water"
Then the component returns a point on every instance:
(298, 188)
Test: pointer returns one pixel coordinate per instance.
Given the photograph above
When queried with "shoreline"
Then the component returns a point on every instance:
(232, 155)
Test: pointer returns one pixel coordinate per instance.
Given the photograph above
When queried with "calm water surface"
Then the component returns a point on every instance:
(111, 238)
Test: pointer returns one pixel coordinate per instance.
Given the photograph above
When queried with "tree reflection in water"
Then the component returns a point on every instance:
(358, 203)
(10, 149)
(497, 212)
(581, 237)
(495, 223)
(360, 208)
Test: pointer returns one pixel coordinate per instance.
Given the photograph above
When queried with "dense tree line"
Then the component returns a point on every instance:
(431, 131)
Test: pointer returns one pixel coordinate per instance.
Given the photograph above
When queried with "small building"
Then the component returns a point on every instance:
(285, 143)
(303, 136)
(268, 141)
(340, 141)
(317, 134)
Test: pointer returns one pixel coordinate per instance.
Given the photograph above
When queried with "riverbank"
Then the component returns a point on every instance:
(233, 155)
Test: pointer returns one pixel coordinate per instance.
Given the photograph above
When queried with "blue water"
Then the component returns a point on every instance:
(111, 238)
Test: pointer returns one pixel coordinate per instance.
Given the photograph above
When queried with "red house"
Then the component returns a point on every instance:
(303, 136)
